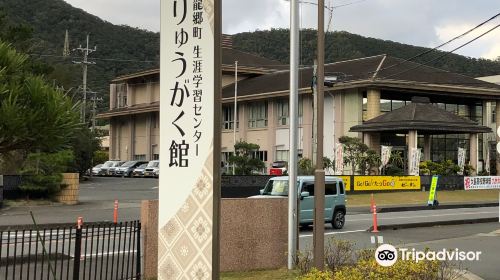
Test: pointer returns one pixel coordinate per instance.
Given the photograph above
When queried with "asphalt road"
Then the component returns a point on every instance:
(96, 203)
(484, 237)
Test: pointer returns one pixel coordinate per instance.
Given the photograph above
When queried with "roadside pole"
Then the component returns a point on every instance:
(292, 174)
(319, 173)
(235, 109)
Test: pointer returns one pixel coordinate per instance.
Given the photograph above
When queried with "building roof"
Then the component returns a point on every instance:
(380, 70)
(247, 63)
(129, 110)
(422, 116)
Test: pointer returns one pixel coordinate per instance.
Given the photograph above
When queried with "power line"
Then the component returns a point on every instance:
(445, 54)
(102, 59)
(443, 44)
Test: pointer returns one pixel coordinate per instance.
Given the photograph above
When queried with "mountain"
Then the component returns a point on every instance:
(342, 45)
(123, 49)
(120, 49)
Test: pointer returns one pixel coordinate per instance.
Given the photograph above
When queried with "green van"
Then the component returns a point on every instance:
(335, 209)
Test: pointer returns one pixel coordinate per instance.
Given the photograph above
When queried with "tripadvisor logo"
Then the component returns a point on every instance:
(387, 255)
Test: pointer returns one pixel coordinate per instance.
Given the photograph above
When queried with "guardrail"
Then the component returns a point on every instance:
(65, 251)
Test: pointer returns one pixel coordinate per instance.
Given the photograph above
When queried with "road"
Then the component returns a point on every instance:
(484, 237)
(97, 199)
(96, 203)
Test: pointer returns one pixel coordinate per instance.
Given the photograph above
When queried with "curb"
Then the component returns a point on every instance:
(440, 207)
(435, 223)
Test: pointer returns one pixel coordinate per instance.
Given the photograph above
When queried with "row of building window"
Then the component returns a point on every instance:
(143, 157)
(258, 115)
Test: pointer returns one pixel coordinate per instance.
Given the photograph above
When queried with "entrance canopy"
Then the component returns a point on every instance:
(422, 116)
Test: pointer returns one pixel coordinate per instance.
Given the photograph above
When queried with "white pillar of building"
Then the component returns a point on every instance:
(473, 152)
(412, 144)
(427, 147)
(372, 103)
(372, 140)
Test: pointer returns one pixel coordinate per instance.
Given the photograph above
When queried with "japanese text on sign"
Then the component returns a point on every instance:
(378, 183)
(481, 182)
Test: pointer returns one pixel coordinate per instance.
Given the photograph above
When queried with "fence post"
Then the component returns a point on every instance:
(78, 250)
(138, 261)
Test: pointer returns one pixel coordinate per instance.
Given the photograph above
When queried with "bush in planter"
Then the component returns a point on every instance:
(42, 173)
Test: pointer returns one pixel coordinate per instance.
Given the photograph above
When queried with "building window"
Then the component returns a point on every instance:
(228, 118)
(493, 113)
(156, 157)
(121, 95)
(154, 120)
(282, 155)
(262, 155)
(257, 115)
(284, 113)
(139, 157)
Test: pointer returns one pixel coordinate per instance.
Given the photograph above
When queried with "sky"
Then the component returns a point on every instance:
(426, 23)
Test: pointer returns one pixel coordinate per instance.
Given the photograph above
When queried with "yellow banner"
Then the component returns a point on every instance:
(347, 182)
(382, 183)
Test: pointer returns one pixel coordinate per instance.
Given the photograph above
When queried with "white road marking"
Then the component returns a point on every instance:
(380, 217)
(335, 232)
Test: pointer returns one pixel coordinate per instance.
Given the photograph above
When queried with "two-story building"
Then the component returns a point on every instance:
(365, 89)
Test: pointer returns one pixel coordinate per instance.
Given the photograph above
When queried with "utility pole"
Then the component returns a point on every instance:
(293, 102)
(319, 173)
(315, 116)
(94, 99)
(66, 45)
(86, 51)
(235, 109)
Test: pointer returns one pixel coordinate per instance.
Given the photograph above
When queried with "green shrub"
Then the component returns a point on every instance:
(42, 173)
(100, 157)
(315, 274)
(370, 269)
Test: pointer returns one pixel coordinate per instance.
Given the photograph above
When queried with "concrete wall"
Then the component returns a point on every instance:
(253, 234)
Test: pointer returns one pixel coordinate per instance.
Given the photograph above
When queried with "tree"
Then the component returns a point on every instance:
(35, 116)
(44, 172)
(84, 144)
(359, 155)
(305, 165)
(244, 158)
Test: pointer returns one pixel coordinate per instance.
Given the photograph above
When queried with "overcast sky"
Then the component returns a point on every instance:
(418, 22)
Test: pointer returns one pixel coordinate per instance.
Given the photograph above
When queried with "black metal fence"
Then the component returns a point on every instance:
(93, 251)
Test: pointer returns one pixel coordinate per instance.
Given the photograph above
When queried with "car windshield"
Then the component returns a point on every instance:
(108, 164)
(129, 163)
(142, 166)
(116, 164)
(276, 187)
(98, 166)
(154, 164)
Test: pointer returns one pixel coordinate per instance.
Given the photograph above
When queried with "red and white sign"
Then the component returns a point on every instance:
(481, 183)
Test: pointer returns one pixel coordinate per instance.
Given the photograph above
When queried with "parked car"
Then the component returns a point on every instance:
(153, 169)
(139, 171)
(112, 169)
(126, 169)
(335, 208)
(107, 165)
(96, 169)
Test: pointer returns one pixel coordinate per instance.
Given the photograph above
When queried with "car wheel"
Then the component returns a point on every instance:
(338, 220)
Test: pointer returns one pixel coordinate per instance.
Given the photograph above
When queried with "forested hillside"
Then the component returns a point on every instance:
(120, 49)
(343, 45)
(37, 27)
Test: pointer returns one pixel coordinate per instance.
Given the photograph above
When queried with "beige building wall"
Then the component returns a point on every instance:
(353, 113)
(140, 141)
